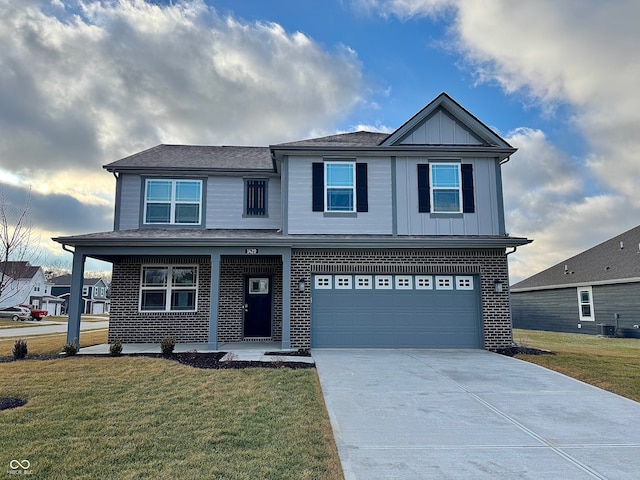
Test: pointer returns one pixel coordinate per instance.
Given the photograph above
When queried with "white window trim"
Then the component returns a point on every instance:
(169, 288)
(432, 188)
(591, 318)
(173, 202)
(326, 188)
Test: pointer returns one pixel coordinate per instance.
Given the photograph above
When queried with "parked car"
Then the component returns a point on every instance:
(15, 313)
(36, 313)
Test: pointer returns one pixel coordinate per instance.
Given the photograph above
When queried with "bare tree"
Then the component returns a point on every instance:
(18, 244)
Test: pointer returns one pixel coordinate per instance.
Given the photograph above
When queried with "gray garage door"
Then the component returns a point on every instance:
(396, 311)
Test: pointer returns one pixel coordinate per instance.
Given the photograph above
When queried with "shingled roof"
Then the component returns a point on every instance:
(197, 157)
(616, 260)
(353, 139)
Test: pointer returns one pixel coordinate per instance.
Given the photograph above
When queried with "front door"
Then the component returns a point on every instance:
(257, 307)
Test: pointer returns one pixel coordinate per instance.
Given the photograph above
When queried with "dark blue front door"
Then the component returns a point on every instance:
(257, 306)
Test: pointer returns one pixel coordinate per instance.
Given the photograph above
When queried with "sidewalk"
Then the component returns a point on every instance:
(47, 328)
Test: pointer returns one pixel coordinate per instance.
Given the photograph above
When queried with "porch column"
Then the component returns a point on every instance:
(286, 299)
(75, 297)
(214, 301)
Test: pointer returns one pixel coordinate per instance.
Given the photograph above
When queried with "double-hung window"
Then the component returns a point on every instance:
(176, 202)
(585, 303)
(446, 188)
(167, 288)
(340, 186)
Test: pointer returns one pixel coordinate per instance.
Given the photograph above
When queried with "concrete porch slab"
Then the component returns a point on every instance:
(238, 351)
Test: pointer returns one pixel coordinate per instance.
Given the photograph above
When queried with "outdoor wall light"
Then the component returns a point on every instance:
(498, 285)
(301, 284)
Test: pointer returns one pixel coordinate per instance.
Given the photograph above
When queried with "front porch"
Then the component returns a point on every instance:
(202, 296)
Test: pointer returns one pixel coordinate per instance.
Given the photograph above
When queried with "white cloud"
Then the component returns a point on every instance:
(579, 53)
(84, 83)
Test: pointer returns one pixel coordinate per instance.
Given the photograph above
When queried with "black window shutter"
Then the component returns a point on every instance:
(362, 193)
(424, 199)
(318, 187)
(468, 203)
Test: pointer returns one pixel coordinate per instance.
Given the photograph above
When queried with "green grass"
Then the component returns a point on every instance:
(19, 324)
(134, 418)
(53, 343)
(612, 364)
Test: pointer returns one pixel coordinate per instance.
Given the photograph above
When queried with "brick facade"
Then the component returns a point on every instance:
(490, 265)
(131, 326)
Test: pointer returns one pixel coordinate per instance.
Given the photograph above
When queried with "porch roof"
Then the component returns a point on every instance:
(200, 237)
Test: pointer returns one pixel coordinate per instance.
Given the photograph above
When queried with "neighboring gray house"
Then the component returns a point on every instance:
(595, 292)
(353, 240)
(95, 299)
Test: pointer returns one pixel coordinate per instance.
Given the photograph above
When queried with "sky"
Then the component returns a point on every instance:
(85, 83)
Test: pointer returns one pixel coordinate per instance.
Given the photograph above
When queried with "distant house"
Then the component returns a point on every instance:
(25, 284)
(595, 292)
(95, 292)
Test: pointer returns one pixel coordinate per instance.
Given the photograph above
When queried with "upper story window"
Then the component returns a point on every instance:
(176, 202)
(255, 197)
(445, 188)
(340, 186)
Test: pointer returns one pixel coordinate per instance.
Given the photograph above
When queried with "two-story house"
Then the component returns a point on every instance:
(353, 240)
(95, 299)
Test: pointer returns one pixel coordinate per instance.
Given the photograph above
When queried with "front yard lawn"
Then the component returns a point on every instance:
(52, 343)
(135, 417)
(612, 364)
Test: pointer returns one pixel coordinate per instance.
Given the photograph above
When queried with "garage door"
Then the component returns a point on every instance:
(396, 311)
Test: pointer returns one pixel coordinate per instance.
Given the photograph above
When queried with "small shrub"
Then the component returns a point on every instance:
(71, 348)
(20, 348)
(167, 345)
(115, 349)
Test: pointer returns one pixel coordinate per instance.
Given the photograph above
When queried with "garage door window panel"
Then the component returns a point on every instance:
(384, 282)
(444, 283)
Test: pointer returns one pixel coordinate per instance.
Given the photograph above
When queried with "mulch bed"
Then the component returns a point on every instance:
(197, 360)
(519, 350)
(9, 402)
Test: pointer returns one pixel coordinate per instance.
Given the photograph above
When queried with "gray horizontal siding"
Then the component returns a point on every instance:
(557, 310)
(487, 219)
(130, 198)
(301, 218)
(225, 205)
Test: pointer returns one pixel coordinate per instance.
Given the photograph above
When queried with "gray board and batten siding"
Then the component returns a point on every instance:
(302, 220)
(557, 310)
(487, 219)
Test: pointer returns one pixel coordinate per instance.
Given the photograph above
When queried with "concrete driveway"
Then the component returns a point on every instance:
(472, 414)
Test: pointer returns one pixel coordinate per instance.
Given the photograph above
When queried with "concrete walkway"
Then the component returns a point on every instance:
(472, 414)
(237, 351)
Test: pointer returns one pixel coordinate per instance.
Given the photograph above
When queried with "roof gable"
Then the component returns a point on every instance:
(613, 261)
(445, 122)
